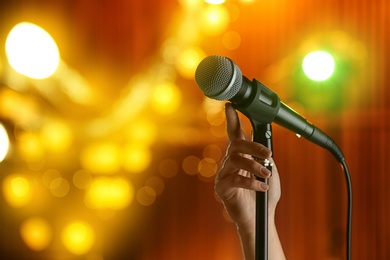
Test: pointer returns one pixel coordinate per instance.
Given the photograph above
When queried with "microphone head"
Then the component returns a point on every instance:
(218, 77)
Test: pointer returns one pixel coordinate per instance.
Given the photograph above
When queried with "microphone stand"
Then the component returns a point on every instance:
(262, 133)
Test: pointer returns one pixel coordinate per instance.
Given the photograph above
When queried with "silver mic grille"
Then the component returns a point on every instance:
(218, 77)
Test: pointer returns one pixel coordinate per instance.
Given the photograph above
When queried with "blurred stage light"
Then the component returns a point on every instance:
(215, 2)
(106, 193)
(318, 65)
(215, 19)
(56, 136)
(142, 130)
(59, 187)
(166, 98)
(188, 61)
(82, 179)
(136, 157)
(78, 237)
(17, 190)
(101, 158)
(190, 165)
(146, 196)
(4, 143)
(31, 51)
(207, 167)
(36, 233)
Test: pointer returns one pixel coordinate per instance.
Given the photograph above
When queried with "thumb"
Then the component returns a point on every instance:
(233, 123)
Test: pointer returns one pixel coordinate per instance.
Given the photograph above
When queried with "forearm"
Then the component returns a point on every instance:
(275, 249)
(248, 237)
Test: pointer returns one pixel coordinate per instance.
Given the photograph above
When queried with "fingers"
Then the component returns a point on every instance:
(239, 168)
(227, 187)
(249, 148)
(233, 123)
(236, 162)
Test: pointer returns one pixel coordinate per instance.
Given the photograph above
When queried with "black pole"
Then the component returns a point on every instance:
(262, 133)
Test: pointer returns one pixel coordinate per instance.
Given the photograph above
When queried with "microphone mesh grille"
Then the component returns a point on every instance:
(218, 77)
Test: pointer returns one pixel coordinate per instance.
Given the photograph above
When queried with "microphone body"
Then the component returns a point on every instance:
(220, 78)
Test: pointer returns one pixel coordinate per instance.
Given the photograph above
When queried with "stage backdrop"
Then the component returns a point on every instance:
(114, 155)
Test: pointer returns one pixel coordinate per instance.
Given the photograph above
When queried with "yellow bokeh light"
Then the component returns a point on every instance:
(31, 51)
(56, 136)
(101, 158)
(142, 130)
(166, 98)
(191, 4)
(109, 193)
(215, 2)
(17, 190)
(4, 143)
(82, 179)
(49, 176)
(30, 146)
(78, 237)
(215, 19)
(188, 60)
(59, 187)
(36, 233)
(136, 157)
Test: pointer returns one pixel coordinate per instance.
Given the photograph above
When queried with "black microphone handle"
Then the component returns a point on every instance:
(291, 120)
(261, 104)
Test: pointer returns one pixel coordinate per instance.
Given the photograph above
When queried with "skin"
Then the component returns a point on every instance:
(236, 184)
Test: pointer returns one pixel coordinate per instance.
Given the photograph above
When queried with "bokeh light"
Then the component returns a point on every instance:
(166, 98)
(190, 165)
(36, 233)
(4, 143)
(59, 187)
(136, 157)
(141, 130)
(109, 193)
(101, 158)
(146, 196)
(215, 2)
(212, 151)
(30, 146)
(188, 60)
(215, 19)
(56, 136)
(207, 167)
(17, 190)
(318, 65)
(31, 51)
(78, 237)
(82, 179)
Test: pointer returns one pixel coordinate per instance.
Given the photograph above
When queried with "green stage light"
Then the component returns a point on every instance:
(318, 65)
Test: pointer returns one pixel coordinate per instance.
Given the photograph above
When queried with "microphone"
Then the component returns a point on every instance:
(221, 79)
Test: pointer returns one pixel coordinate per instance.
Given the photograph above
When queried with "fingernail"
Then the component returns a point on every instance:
(264, 186)
(266, 152)
(265, 171)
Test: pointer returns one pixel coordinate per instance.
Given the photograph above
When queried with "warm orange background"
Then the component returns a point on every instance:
(110, 41)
